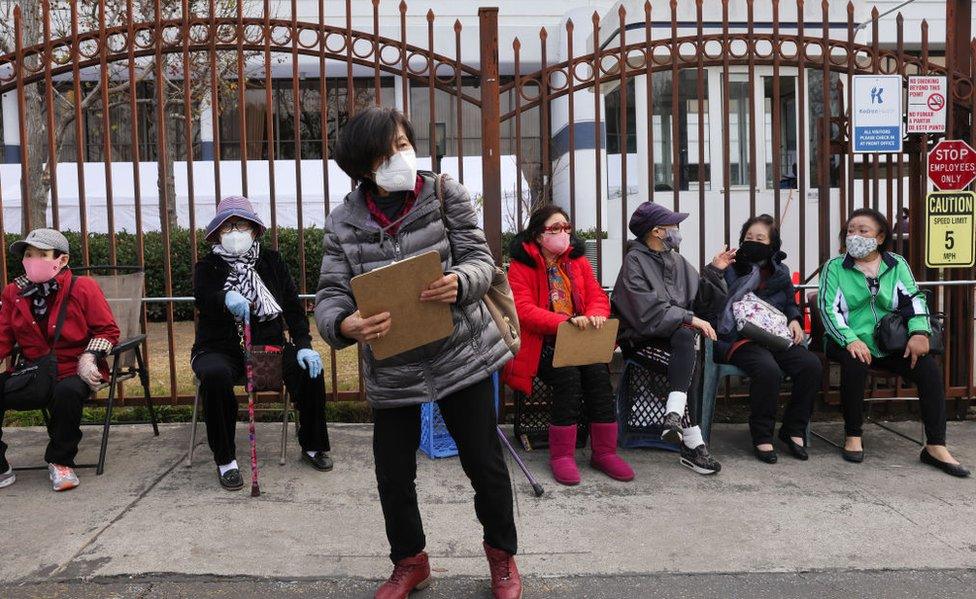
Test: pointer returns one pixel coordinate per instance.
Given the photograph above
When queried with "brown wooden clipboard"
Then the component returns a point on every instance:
(396, 289)
(575, 347)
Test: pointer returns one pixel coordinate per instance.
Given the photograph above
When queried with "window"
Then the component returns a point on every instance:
(815, 108)
(689, 144)
(739, 125)
(785, 109)
(612, 111)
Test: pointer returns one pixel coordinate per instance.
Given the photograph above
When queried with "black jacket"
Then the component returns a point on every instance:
(217, 329)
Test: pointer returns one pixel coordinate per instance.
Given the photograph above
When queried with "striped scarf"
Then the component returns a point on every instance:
(39, 294)
(244, 279)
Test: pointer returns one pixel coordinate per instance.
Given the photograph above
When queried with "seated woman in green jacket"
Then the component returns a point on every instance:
(857, 289)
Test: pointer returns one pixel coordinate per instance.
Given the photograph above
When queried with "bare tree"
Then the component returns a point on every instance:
(183, 85)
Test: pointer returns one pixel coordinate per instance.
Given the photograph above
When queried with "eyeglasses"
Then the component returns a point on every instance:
(558, 228)
(241, 225)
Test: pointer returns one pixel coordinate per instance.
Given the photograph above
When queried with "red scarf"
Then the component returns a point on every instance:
(384, 221)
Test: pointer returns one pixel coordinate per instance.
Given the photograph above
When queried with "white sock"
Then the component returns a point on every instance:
(231, 466)
(692, 437)
(677, 401)
(311, 454)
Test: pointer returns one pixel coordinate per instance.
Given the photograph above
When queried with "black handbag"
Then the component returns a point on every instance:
(30, 386)
(891, 332)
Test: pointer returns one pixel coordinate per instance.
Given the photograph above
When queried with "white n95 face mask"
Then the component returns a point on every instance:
(399, 172)
(237, 242)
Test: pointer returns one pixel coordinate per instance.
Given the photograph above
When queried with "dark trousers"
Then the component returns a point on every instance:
(682, 361)
(64, 422)
(766, 370)
(219, 372)
(926, 375)
(470, 418)
(576, 385)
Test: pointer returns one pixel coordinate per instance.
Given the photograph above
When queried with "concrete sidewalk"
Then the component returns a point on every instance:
(149, 516)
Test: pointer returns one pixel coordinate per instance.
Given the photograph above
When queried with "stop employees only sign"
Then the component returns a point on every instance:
(952, 164)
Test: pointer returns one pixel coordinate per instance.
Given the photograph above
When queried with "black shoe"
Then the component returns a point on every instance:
(699, 460)
(797, 451)
(321, 460)
(855, 457)
(768, 457)
(231, 480)
(672, 428)
(951, 469)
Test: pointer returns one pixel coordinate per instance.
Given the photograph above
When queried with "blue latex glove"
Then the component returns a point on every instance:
(238, 305)
(311, 361)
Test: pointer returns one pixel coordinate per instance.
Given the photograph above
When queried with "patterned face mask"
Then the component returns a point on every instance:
(861, 247)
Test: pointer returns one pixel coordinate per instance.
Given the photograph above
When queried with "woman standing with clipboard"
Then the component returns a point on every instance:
(394, 213)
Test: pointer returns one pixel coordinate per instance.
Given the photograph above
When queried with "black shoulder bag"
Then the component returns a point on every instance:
(891, 332)
(31, 385)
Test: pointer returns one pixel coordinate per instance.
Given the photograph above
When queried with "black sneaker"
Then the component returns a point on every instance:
(320, 461)
(672, 428)
(7, 476)
(231, 480)
(699, 460)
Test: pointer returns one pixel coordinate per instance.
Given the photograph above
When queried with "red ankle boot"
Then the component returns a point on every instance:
(505, 580)
(409, 574)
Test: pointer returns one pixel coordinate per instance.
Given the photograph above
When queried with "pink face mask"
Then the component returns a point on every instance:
(41, 270)
(556, 244)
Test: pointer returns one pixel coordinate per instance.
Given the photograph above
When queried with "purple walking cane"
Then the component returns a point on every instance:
(245, 330)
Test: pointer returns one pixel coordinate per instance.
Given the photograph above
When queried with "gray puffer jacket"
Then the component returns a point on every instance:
(354, 244)
(656, 292)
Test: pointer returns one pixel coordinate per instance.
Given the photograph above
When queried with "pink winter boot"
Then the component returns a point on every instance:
(603, 441)
(562, 458)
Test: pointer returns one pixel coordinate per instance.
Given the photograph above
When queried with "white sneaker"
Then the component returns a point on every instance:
(62, 478)
(8, 478)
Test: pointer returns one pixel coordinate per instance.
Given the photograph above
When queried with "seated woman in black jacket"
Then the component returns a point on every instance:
(240, 280)
(759, 269)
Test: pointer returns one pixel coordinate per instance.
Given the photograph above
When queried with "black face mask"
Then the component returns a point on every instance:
(753, 252)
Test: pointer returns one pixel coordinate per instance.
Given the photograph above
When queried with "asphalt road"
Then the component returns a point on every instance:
(907, 584)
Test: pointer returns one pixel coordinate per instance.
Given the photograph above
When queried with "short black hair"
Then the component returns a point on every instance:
(879, 219)
(770, 222)
(367, 138)
(537, 222)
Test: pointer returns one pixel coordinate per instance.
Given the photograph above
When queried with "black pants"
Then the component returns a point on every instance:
(470, 418)
(766, 370)
(219, 372)
(682, 361)
(576, 385)
(926, 375)
(64, 422)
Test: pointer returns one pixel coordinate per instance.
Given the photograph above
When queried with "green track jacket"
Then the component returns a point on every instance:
(849, 310)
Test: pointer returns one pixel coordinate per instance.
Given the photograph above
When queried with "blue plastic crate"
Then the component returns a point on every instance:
(435, 441)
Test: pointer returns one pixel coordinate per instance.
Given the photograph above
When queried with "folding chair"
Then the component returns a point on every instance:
(285, 410)
(123, 289)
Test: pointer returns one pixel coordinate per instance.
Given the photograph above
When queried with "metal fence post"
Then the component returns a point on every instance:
(490, 131)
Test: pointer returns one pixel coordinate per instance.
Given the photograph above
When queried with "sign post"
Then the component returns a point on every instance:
(950, 229)
(927, 104)
(877, 114)
(952, 164)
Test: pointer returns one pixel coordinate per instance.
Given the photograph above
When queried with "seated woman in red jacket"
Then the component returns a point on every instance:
(553, 282)
(28, 316)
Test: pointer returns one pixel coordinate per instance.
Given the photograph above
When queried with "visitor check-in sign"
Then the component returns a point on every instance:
(950, 229)
(877, 113)
(926, 104)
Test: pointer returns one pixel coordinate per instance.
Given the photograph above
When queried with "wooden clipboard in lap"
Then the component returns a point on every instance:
(396, 289)
(575, 347)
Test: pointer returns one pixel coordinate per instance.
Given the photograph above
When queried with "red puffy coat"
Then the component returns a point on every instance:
(530, 286)
(88, 323)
